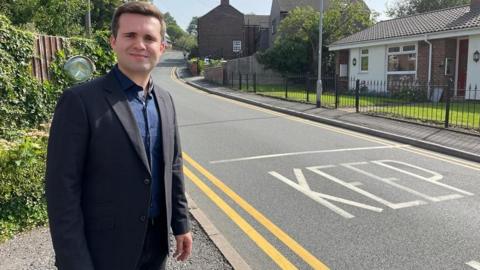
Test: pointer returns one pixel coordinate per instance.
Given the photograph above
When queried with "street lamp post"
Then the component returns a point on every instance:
(319, 81)
(89, 21)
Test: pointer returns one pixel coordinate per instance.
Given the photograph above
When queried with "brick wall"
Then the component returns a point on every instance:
(341, 57)
(214, 74)
(218, 29)
(442, 48)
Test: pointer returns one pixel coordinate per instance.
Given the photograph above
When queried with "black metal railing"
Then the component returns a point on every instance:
(436, 103)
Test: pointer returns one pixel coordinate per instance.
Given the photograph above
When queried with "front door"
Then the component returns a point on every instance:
(462, 67)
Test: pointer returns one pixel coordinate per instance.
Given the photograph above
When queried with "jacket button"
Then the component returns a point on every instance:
(143, 218)
(146, 181)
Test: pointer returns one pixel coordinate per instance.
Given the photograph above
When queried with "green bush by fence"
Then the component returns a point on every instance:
(26, 104)
(22, 169)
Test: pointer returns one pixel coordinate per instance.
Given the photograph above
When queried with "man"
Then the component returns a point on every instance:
(114, 180)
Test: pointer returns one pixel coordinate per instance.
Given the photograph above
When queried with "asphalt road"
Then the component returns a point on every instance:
(290, 193)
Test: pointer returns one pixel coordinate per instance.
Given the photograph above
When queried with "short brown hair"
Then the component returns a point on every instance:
(142, 8)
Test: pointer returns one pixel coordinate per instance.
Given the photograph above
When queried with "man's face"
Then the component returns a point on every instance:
(138, 44)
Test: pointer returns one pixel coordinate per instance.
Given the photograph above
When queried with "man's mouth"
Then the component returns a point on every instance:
(138, 55)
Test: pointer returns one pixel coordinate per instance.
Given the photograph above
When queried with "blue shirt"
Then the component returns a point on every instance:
(147, 116)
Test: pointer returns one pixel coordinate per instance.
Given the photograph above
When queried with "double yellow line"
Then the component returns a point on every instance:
(255, 236)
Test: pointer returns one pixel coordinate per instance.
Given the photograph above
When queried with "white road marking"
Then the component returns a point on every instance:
(318, 170)
(434, 179)
(320, 197)
(389, 181)
(308, 153)
(474, 264)
(301, 184)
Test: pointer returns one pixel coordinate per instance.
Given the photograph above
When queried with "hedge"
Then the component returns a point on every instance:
(25, 106)
(22, 169)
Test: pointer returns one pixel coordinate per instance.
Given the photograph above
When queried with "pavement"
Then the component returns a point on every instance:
(446, 141)
(33, 250)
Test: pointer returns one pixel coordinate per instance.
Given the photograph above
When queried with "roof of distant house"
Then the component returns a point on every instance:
(260, 20)
(287, 5)
(456, 18)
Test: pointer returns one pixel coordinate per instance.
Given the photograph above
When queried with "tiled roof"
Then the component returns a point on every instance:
(260, 20)
(456, 18)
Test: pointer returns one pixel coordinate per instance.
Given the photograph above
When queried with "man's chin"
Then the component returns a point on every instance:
(140, 68)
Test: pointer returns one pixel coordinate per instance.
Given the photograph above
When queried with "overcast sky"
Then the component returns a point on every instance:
(184, 10)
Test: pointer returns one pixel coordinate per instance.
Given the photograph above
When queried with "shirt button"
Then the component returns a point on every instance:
(146, 181)
(143, 218)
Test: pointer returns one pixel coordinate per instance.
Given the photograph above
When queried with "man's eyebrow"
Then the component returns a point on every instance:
(151, 37)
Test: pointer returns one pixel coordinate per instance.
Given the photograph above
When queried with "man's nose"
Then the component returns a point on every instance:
(139, 44)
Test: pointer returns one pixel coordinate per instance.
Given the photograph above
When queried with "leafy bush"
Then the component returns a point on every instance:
(411, 94)
(21, 186)
(97, 49)
(25, 104)
(23, 101)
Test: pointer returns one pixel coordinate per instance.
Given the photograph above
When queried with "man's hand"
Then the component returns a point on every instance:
(184, 246)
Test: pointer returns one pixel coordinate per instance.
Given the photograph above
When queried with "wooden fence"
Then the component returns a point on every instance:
(45, 49)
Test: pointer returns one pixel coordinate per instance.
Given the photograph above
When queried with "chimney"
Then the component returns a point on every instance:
(226, 2)
(475, 5)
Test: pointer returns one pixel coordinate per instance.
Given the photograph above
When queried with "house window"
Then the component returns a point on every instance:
(237, 46)
(364, 60)
(402, 59)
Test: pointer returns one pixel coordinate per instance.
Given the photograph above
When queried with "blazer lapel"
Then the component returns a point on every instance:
(119, 103)
(162, 110)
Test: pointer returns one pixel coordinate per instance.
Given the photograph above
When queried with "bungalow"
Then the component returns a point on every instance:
(431, 47)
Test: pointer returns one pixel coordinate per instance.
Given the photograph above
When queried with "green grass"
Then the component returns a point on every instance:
(462, 114)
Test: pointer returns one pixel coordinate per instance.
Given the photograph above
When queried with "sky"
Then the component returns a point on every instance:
(184, 10)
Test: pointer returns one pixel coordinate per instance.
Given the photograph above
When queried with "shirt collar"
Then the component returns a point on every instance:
(126, 83)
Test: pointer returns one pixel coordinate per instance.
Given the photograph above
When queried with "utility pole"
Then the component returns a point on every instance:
(89, 21)
(319, 81)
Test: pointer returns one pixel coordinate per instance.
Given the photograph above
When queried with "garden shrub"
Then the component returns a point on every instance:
(22, 170)
(26, 104)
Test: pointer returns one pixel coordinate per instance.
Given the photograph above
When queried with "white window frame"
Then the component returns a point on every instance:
(236, 46)
(401, 52)
(362, 55)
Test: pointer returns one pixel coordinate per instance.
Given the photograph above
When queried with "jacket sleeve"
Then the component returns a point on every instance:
(67, 148)
(180, 219)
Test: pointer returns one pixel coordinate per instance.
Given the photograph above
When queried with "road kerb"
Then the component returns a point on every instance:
(227, 250)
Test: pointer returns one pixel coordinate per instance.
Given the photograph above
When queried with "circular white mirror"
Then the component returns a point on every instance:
(79, 68)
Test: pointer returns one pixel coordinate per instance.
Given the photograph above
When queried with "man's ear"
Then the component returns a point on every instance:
(112, 41)
(163, 46)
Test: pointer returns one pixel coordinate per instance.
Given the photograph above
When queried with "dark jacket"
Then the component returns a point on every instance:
(98, 177)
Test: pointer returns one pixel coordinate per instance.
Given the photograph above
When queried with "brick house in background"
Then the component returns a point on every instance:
(281, 8)
(257, 30)
(431, 47)
(225, 32)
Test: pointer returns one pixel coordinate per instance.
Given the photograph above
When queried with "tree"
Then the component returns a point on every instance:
(169, 20)
(19, 12)
(53, 17)
(192, 27)
(174, 31)
(60, 17)
(102, 13)
(187, 42)
(403, 8)
(295, 49)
